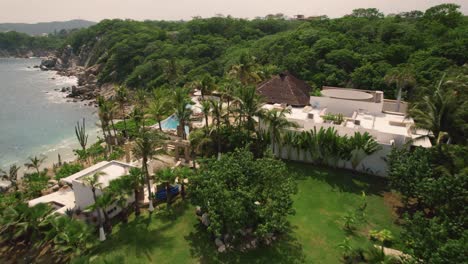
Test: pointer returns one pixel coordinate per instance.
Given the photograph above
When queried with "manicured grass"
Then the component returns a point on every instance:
(324, 196)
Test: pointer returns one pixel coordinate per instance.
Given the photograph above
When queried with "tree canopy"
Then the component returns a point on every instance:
(239, 192)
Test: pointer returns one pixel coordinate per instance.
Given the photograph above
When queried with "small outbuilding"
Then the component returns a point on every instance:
(285, 89)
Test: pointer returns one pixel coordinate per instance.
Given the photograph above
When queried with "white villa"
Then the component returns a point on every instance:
(75, 194)
(362, 111)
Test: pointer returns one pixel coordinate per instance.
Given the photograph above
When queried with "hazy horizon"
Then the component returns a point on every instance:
(27, 11)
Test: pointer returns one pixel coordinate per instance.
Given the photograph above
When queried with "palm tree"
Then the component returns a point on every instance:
(141, 98)
(105, 201)
(200, 144)
(172, 70)
(227, 94)
(205, 85)
(181, 101)
(249, 105)
(136, 180)
(167, 176)
(11, 176)
(145, 148)
(286, 140)
(121, 96)
(120, 190)
(105, 117)
(71, 238)
(362, 145)
(246, 70)
(437, 112)
(402, 77)
(183, 173)
(276, 122)
(217, 107)
(137, 116)
(158, 109)
(93, 182)
(35, 162)
(206, 108)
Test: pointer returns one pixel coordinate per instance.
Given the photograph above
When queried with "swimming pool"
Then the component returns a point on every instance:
(171, 123)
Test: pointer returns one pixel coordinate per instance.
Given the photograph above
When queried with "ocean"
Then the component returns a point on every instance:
(35, 117)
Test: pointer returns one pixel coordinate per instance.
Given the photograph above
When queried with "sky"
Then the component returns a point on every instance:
(32, 11)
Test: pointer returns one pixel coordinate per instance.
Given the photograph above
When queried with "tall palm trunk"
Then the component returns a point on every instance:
(98, 213)
(206, 122)
(137, 205)
(399, 98)
(125, 122)
(160, 126)
(168, 193)
(148, 183)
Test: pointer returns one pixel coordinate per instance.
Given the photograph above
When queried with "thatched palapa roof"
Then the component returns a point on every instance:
(285, 89)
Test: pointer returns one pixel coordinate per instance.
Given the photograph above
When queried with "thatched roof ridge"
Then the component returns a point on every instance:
(285, 89)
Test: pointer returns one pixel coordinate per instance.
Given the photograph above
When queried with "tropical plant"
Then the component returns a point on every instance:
(158, 108)
(35, 163)
(135, 181)
(137, 115)
(80, 132)
(71, 238)
(93, 182)
(246, 71)
(217, 112)
(402, 77)
(362, 145)
(167, 176)
(121, 96)
(21, 222)
(437, 112)
(383, 236)
(145, 148)
(183, 174)
(239, 191)
(181, 102)
(275, 122)
(349, 221)
(206, 108)
(67, 169)
(248, 106)
(11, 175)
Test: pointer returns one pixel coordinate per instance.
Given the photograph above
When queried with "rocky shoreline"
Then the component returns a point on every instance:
(68, 64)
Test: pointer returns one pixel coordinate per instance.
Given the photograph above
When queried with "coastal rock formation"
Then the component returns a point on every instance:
(67, 63)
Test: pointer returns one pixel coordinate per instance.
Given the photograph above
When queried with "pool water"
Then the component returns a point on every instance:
(171, 123)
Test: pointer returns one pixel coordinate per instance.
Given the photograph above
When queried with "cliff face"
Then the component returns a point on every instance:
(67, 63)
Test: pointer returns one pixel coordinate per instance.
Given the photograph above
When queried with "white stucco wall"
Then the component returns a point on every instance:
(343, 106)
(374, 164)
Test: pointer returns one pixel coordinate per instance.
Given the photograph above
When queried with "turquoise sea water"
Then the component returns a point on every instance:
(34, 118)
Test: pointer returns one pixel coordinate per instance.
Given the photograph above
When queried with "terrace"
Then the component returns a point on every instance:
(75, 193)
(362, 111)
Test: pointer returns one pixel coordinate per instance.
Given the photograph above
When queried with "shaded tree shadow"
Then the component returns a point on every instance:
(285, 250)
(139, 237)
(342, 180)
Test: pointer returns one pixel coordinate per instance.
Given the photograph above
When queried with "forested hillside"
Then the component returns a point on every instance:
(357, 50)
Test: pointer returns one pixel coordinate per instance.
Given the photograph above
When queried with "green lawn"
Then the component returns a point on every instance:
(323, 197)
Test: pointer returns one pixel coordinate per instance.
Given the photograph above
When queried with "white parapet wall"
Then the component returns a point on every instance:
(374, 164)
(343, 106)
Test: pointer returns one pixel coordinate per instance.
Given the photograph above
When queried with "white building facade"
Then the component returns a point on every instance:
(362, 111)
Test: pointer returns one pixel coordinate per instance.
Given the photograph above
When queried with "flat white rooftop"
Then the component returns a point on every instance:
(111, 169)
(61, 200)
